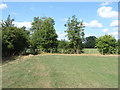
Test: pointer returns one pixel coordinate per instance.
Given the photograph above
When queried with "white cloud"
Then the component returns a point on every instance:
(114, 33)
(13, 13)
(115, 29)
(65, 19)
(21, 24)
(103, 4)
(80, 20)
(114, 23)
(94, 24)
(107, 12)
(87, 35)
(105, 30)
(3, 6)
(91, 34)
(61, 36)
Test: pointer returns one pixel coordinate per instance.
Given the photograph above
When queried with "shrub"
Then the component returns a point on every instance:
(106, 44)
(14, 39)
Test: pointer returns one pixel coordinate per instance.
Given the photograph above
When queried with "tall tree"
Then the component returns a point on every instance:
(75, 33)
(90, 42)
(14, 39)
(44, 35)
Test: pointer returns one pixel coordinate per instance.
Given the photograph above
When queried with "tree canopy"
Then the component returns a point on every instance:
(14, 39)
(44, 35)
(118, 44)
(75, 33)
(106, 44)
(90, 42)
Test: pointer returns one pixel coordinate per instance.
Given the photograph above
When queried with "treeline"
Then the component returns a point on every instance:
(42, 37)
(14, 39)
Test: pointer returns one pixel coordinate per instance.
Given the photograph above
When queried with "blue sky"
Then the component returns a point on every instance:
(100, 18)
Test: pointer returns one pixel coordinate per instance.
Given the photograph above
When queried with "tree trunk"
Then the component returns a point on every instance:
(62, 50)
(50, 50)
(77, 51)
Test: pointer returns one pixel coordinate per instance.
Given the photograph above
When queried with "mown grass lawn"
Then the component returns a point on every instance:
(91, 51)
(60, 71)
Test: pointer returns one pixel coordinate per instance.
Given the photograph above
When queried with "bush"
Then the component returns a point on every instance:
(118, 44)
(106, 44)
(14, 39)
(89, 42)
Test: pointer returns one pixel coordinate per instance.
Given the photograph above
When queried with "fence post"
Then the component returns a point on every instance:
(102, 51)
(62, 51)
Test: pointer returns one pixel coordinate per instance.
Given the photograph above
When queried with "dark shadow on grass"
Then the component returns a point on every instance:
(8, 59)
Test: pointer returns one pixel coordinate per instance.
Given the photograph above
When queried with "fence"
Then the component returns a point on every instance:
(91, 51)
(85, 51)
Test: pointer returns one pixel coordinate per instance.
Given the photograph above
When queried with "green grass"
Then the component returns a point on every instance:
(91, 51)
(60, 71)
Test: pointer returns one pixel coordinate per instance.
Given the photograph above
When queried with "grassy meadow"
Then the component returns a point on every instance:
(61, 71)
(91, 51)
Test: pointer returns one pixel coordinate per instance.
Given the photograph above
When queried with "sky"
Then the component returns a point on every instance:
(100, 18)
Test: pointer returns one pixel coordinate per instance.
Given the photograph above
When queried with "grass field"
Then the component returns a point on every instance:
(60, 71)
(91, 51)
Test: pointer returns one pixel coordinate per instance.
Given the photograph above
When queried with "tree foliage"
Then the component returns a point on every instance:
(118, 44)
(63, 45)
(106, 44)
(90, 42)
(44, 36)
(75, 33)
(14, 39)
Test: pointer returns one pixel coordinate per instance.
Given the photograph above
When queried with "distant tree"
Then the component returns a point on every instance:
(44, 35)
(118, 44)
(90, 42)
(14, 39)
(106, 44)
(75, 33)
(63, 45)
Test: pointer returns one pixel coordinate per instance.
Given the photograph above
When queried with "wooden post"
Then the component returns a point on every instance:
(102, 51)
(62, 50)
(51, 51)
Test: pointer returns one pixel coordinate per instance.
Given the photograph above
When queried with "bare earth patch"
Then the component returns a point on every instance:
(77, 54)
